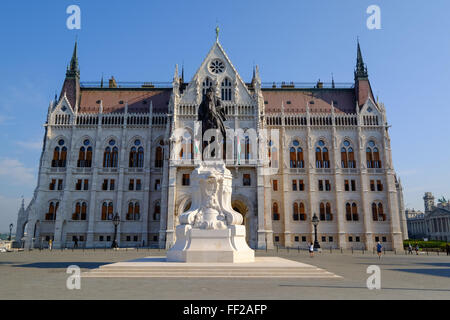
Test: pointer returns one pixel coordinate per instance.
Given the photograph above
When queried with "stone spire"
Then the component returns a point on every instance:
(361, 68)
(71, 86)
(74, 69)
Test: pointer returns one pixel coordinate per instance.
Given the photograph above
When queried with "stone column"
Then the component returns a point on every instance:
(364, 189)
(97, 160)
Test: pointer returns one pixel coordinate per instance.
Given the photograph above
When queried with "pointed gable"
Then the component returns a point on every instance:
(215, 68)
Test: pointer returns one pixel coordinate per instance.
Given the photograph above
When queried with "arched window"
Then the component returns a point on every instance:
(63, 157)
(378, 212)
(133, 158)
(322, 156)
(104, 211)
(187, 147)
(275, 213)
(347, 156)
(157, 211)
(296, 155)
(107, 158)
(140, 157)
(299, 212)
(206, 84)
(81, 157)
(80, 211)
(325, 211)
(348, 211)
(137, 211)
(355, 215)
(107, 211)
(159, 155)
(88, 162)
(55, 159)
(226, 90)
(247, 148)
(77, 213)
(52, 209)
(351, 212)
(302, 212)
(83, 211)
(133, 211)
(296, 216)
(114, 157)
(373, 155)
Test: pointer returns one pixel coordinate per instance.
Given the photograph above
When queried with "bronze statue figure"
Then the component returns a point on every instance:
(212, 115)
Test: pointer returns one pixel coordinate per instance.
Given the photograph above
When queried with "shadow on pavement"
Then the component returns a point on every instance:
(62, 265)
(429, 272)
(356, 287)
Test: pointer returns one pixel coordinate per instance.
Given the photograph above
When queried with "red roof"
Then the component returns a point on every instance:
(295, 101)
(114, 100)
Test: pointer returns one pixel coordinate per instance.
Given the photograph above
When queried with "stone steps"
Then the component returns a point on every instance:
(274, 268)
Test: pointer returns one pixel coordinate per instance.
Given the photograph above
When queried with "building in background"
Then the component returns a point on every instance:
(433, 224)
(108, 149)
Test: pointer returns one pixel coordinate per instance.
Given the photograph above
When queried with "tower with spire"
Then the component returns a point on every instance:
(71, 86)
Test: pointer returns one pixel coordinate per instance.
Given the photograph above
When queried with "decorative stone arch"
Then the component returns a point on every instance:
(105, 142)
(183, 204)
(131, 141)
(242, 205)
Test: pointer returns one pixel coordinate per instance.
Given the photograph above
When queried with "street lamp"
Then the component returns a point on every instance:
(315, 222)
(10, 230)
(116, 221)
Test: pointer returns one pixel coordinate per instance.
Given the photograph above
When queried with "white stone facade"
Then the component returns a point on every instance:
(249, 106)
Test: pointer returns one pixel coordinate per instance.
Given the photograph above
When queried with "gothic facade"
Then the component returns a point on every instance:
(109, 149)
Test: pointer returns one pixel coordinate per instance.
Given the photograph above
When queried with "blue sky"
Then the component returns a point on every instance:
(408, 63)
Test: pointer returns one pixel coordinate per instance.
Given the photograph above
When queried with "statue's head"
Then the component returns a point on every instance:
(211, 91)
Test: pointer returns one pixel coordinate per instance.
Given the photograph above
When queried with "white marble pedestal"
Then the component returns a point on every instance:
(211, 230)
(199, 245)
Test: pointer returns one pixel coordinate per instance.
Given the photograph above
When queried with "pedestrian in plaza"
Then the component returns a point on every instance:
(75, 242)
(410, 249)
(447, 248)
(417, 249)
(311, 250)
(379, 249)
(50, 243)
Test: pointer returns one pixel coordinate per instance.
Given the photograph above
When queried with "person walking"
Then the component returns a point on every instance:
(379, 249)
(50, 243)
(75, 242)
(410, 249)
(447, 248)
(311, 250)
(417, 249)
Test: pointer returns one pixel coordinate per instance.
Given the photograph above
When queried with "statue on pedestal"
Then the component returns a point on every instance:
(211, 231)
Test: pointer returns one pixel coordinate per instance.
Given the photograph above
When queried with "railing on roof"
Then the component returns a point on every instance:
(138, 84)
(308, 85)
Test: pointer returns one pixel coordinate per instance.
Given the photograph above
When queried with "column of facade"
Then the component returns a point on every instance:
(310, 188)
(396, 233)
(147, 182)
(96, 163)
(164, 195)
(364, 187)
(342, 243)
(284, 184)
(121, 180)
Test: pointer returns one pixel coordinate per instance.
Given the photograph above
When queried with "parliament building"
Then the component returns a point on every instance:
(108, 149)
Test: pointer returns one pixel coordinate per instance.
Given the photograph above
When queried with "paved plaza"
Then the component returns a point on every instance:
(42, 275)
